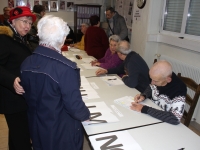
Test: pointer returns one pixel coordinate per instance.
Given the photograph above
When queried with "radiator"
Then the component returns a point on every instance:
(186, 71)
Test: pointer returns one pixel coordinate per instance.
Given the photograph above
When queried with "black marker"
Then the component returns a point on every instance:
(112, 79)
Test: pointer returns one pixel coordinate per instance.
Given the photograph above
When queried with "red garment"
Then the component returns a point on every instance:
(96, 42)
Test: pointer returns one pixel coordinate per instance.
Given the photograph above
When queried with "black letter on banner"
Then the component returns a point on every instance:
(95, 115)
(106, 145)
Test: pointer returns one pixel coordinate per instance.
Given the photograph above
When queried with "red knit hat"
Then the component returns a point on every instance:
(21, 11)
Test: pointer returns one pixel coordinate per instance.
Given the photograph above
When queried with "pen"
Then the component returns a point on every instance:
(82, 90)
(112, 79)
(92, 76)
(83, 94)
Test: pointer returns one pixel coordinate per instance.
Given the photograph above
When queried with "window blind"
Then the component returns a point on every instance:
(173, 15)
(193, 19)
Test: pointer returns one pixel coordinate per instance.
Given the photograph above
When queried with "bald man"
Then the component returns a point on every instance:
(167, 91)
(134, 67)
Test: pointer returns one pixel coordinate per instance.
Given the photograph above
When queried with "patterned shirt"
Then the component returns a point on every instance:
(171, 98)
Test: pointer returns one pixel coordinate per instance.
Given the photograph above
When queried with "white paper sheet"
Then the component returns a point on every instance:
(89, 66)
(65, 54)
(71, 58)
(101, 113)
(87, 91)
(117, 111)
(112, 80)
(126, 102)
(74, 49)
(87, 60)
(122, 140)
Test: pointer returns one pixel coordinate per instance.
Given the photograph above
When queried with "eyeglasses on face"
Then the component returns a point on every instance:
(25, 22)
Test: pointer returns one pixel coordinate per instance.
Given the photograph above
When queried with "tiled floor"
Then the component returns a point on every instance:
(4, 135)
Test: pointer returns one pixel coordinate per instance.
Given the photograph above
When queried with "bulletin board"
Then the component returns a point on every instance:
(125, 9)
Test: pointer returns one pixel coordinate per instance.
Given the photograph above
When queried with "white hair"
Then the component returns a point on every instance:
(115, 38)
(52, 31)
(124, 47)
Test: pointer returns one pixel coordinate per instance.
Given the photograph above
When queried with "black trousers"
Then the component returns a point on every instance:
(19, 137)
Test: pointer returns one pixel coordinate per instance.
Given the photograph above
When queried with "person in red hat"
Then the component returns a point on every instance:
(14, 49)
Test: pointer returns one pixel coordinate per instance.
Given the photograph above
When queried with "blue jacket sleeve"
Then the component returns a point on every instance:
(72, 100)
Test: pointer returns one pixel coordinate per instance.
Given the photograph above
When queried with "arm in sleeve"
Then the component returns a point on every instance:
(72, 100)
(124, 30)
(6, 78)
(173, 116)
(85, 41)
(147, 92)
(102, 60)
(117, 70)
(133, 74)
(161, 115)
(81, 43)
(111, 63)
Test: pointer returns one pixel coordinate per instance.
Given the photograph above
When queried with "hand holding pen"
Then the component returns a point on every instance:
(139, 98)
(135, 105)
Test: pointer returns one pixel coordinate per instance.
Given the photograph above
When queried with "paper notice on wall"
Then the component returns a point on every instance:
(137, 14)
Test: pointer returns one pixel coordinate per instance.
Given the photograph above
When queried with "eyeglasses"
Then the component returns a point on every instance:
(25, 22)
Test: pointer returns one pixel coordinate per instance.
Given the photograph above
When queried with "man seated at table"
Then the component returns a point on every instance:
(134, 67)
(81, 44)
(167, 91)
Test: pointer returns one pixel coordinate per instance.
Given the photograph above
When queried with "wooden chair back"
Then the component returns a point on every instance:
(192, 102)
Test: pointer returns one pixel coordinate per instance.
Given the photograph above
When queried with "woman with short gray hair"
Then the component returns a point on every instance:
(111, 59)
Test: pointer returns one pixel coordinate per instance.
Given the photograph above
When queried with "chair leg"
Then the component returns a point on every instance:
(187, 122)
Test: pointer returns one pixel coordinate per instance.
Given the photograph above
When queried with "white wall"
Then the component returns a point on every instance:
(149, 24)
(3, 3)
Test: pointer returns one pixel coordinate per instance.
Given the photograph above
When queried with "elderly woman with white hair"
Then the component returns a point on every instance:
(111, 59)
(51, 83)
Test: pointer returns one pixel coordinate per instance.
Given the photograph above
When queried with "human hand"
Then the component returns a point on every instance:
(139, 98)
(71, 45)
(76, 46)
(97, 64)
(101, 71)
(136, 106)
(18, 88)
(124, 76)
(93, 62)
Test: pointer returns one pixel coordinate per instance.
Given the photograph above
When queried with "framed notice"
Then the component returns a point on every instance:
(53, 5)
